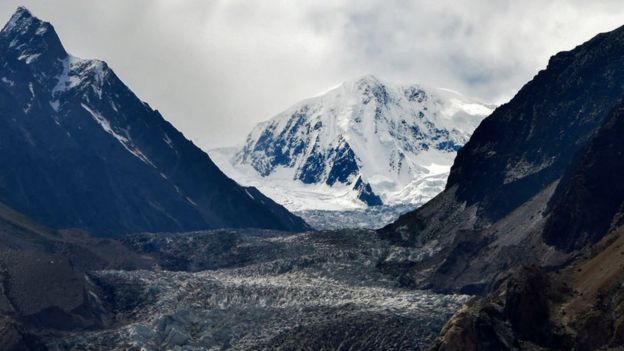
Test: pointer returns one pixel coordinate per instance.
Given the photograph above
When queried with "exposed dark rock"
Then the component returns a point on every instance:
(578, 306)
(345, 165)
(313, 169)
(586, 202)
(366, 193)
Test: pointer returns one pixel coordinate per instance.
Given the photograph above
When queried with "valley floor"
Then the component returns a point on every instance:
(264, 290)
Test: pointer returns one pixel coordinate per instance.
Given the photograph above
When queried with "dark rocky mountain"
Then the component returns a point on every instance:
(366, 194)
(79, 149)
(580, 304)
(528, 143)
(499, 197)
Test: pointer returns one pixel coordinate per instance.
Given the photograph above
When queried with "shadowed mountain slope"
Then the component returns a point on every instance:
(79, 149)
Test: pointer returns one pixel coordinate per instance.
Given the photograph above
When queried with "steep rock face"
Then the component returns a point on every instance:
(492, 214)
(529, 142)
(397, 139)
(79, 149)
(591, 194)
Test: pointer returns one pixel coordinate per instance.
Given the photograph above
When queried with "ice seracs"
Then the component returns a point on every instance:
(365, 142)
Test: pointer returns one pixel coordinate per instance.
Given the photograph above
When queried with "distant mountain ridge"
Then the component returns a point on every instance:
(79, 149)
(365, 142)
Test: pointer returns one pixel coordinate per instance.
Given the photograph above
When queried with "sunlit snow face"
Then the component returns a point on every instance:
(365, 143)
(216, 68)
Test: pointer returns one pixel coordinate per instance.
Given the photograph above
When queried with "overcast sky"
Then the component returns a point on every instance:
(216, 68)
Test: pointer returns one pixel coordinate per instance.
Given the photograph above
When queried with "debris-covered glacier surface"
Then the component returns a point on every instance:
(374, 217)
(265, 290)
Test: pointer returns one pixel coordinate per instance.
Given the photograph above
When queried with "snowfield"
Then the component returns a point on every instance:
(267, 290)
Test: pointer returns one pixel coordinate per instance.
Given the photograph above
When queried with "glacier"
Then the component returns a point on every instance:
(264, 290)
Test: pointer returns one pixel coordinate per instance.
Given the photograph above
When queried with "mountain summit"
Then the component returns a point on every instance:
(79, 149)
(364, 142)
(32, 38)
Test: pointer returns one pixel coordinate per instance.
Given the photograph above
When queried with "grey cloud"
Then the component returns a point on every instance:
(215, 68)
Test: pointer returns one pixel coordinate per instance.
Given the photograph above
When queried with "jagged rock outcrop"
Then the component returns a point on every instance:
(14, 337)
(576, 308)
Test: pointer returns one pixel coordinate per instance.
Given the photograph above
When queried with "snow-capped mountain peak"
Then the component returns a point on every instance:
(397, 141)
(32, 39)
